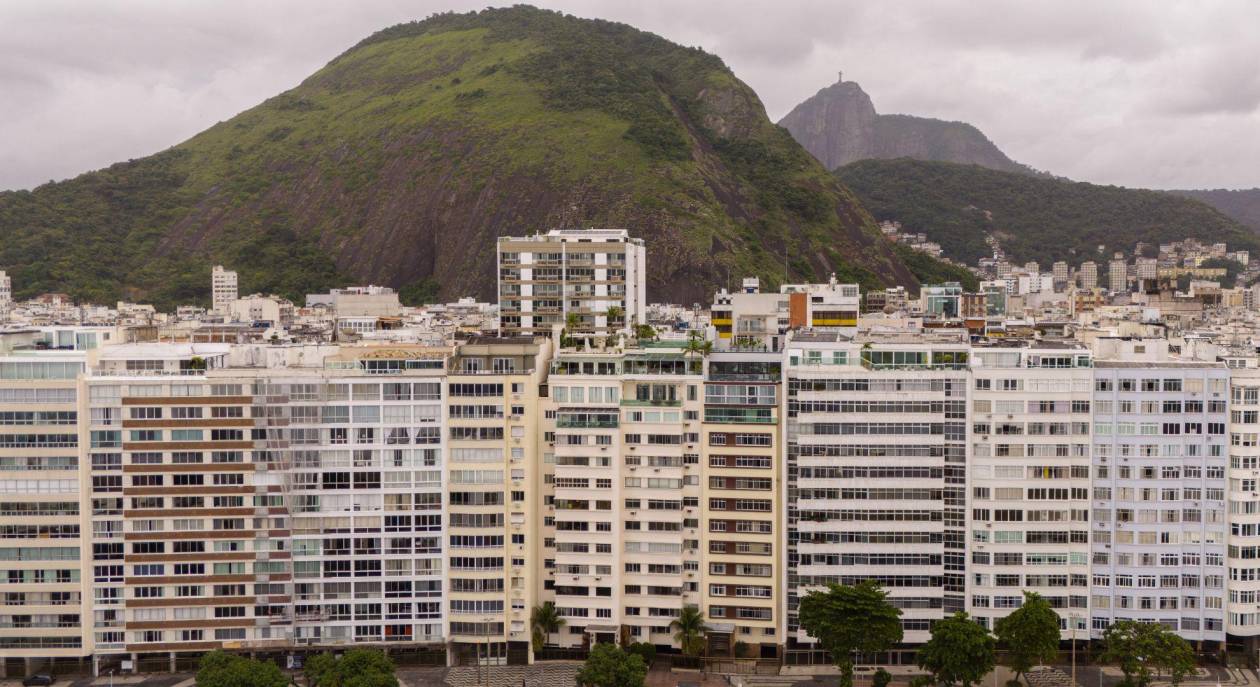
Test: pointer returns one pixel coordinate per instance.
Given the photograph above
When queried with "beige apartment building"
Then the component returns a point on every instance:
(43, 522)
(623, 516)
(662, 491)
(493, 543)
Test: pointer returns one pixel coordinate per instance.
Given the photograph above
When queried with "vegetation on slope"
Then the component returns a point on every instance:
(1243, 206)
(1035, 218)
(402, 160)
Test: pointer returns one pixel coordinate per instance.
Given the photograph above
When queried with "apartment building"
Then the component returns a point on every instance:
(1029, 480)
(1118, 274)
(1159, 513)
(1088, 275)
(6, 295)
(626, 492)
(875, 471)
(43, 521)
(189, 527)
(361, 454)
(493, 494)
(742, 531)
(1243, 582)
(752, 320)
(595, 277)
(583, 463)
(223, 289)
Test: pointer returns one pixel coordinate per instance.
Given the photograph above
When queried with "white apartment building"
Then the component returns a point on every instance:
(1159, 503)
(596, 276)
(752, 320)
(1243, 620)
(1028, 481)
(6, 294)
(223, 289)
(876, 457)
(363, 445)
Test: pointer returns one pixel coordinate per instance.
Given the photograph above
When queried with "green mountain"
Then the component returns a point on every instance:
(839, 125)
(1035, 218)
(403, 159)
(1243, 206)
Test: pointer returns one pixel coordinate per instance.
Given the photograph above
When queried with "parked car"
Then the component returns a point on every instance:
(38, 680)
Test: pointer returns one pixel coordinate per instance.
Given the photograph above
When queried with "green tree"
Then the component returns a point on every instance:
(960, 652)
(696, 343)
(609, 666)
(315, 667)
(221, 669)
(689, 629)
(644, 649)
(645, 332)
(1030, 634)
(1140, 647)
(847, 619)
(355, 668)
(543, 620)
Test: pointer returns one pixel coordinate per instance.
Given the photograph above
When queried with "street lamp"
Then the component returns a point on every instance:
(1072, 620)
(485, 626)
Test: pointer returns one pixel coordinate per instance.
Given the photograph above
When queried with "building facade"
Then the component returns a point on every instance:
(875, 472)
(1159, 516)
(223, 289)
(591, 281)
(1028, 481)
(43, 513)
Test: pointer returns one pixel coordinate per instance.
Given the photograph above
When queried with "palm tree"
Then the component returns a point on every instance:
(689, 629)
(544, 620)
(696, 343)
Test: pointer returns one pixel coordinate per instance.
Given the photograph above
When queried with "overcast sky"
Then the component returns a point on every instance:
(1158, 94)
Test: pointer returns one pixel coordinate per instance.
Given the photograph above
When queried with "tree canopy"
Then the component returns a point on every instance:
(221, 669)
(960, 652)
(1036, 218)
(851, 618)
(609, 666)
(1140, 647)
(1030, 634)
(355, 668)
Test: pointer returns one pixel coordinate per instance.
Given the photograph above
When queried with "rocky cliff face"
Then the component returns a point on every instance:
(839, 125)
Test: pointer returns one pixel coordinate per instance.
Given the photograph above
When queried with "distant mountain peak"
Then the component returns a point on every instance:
(839, 125)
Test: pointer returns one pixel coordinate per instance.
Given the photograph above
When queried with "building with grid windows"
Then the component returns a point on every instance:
(1159, 519)
(592, 281)
(875, 471)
